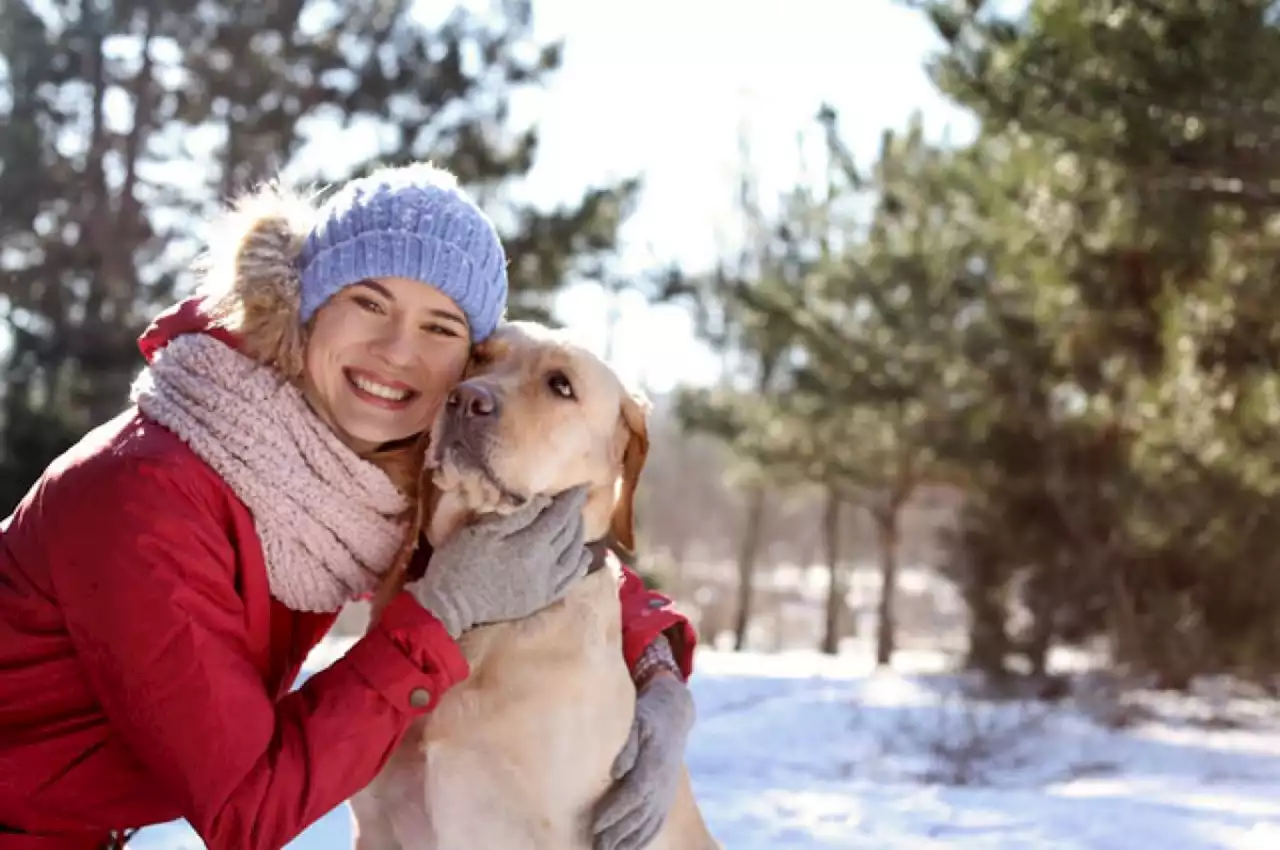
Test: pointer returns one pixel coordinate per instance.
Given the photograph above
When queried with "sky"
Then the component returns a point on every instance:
(662, 90)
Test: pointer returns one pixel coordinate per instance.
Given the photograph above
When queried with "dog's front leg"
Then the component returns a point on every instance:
(372, 825)
(391, 812)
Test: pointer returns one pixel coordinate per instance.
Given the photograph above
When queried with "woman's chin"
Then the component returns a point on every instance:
(364, 436)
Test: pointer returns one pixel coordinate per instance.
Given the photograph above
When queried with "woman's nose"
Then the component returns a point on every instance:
(397, 344)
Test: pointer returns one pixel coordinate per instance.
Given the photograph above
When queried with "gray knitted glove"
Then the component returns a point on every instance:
(647, 772)
(505, 568)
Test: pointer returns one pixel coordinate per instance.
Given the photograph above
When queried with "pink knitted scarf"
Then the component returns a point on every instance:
(329, 522)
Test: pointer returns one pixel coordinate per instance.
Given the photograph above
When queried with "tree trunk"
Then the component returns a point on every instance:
(887, 535)
(747, 554)
(1044, 594)
(752, 534)
(835, 583)
(989, 642)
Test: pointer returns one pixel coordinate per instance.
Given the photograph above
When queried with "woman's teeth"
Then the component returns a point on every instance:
(380, 390)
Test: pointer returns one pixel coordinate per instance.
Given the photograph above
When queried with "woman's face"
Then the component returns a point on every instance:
(381, 355)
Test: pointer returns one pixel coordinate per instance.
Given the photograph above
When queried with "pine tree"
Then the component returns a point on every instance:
(1127, 467)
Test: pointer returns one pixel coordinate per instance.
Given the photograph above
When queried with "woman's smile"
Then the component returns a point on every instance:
(372, 388)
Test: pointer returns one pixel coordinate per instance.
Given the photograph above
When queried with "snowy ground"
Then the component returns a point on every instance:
(803, 751)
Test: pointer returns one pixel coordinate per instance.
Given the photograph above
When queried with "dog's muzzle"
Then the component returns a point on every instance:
(471, 412)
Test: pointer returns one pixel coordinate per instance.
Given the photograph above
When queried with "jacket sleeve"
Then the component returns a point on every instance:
(146, 579)
(646, 614)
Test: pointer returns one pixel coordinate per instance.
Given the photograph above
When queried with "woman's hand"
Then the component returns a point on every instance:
(647, 772)
(508, 567)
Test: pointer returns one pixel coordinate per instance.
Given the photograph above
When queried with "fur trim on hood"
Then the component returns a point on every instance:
(248, 294)
(250, 280)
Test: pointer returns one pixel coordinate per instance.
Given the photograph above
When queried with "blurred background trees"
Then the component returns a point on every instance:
(129, 121)
(1041, 365)
(1070, 323)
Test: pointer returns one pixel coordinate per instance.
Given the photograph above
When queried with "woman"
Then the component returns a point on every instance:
(162, 582)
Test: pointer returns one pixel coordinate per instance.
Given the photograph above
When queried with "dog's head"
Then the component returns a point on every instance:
(538, 414)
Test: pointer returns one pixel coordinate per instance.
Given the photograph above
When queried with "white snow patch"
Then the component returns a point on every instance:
(805, 751)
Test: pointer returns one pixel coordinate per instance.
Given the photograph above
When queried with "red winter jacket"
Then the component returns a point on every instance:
(145, 669)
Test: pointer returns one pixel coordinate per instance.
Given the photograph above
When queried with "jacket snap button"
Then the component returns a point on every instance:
(419, 698)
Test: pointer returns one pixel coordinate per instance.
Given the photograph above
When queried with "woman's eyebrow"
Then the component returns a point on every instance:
(449, 316)
(437, 312)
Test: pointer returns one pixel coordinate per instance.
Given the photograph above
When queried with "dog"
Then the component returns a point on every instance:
(516, 756)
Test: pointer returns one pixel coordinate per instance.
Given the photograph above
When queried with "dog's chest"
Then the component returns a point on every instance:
(534, 729)
(562, 656)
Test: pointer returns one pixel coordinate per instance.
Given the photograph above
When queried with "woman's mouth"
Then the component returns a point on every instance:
(372, 389)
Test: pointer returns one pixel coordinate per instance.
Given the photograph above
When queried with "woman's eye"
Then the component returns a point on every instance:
(559, 384)
(441, 330)
(367, 304)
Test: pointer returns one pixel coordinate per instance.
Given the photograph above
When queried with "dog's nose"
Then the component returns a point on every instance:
(473, 400)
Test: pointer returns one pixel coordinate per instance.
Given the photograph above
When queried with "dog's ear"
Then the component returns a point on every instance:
(633, 430)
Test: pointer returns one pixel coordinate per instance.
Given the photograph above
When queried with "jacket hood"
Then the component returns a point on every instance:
(248, 294)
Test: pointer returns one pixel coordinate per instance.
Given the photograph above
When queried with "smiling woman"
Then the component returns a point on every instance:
(381, 356)
(162, 582)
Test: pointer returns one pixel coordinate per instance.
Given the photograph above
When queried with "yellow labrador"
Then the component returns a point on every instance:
(517, 755)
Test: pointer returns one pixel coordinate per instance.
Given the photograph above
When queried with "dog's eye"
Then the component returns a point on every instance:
(559, 384)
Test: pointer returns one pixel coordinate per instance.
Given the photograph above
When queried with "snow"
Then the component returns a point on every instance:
(799, 750)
